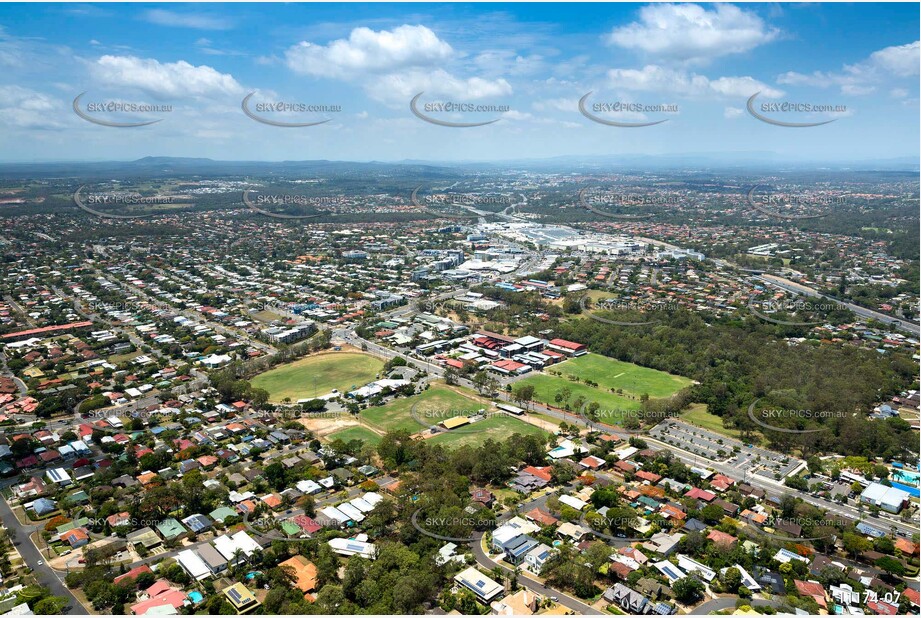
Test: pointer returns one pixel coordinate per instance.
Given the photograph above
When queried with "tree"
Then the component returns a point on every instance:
(687, 589)
(50, 606)
(732, 579)
(523, 393)
(855, 544)
(891, 565)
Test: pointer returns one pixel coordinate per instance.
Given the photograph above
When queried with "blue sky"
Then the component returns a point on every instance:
(535, 60)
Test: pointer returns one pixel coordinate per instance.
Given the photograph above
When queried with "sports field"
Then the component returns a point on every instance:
(608, 373)
(633, 379)
(319, 374)
(546, 387)
(355, 433)
(431, 407)
(496, 427)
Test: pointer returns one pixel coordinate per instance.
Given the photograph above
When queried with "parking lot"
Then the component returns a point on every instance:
(722, 449)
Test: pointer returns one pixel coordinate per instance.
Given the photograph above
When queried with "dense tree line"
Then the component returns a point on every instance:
(737, 363)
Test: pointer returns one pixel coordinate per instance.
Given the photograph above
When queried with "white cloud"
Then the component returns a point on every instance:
(29, 109)
(399, 88)
(197, 21)
(169, 79)
(368, 50)
(654, 78)
(691, 33)
(733, 112)
(882, 66)
(899, 60)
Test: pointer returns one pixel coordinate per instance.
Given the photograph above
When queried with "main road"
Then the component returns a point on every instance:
(44, 574)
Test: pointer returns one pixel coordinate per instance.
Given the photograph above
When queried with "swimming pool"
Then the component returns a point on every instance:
(905, 476)
(196, 597)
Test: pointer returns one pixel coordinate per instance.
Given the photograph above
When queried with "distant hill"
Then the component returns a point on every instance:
(155, 166)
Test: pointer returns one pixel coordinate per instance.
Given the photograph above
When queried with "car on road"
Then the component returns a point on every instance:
(40, 563)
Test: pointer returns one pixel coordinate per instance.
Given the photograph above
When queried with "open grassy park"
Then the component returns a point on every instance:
(432, 406)
(317, 375)
(439, 403)
(608, 373)
(355, 433)
(496, 427)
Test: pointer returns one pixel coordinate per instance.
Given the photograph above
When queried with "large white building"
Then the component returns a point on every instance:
(889, 499)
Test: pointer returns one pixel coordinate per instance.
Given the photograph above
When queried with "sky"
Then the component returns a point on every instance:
(528, 64)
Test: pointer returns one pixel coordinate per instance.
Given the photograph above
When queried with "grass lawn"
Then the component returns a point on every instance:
(267, 316)
(546, 387)
(633, 379)
(317, 375)
(432, 406)
(122, 358)
(698, 415)
(355, 433)
(495, 427)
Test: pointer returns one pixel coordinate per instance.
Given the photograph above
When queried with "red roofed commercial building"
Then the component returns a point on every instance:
(507, 367)
(570, 348)
(46, 329)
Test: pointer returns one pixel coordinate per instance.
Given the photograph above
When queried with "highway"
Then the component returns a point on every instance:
(792, 286)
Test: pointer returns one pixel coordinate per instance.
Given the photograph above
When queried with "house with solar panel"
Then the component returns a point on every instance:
(242, 599)
(483, 587)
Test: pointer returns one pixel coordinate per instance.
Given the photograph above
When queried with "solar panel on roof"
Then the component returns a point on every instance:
(235, 595)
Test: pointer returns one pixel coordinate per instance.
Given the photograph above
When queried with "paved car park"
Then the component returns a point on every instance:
(722, 449)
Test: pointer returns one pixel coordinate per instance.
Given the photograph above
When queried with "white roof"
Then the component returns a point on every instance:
(350, 547)
(193, 564)
(573, 502)
(372, 498)
(362, 505)
(353, 513)
(228, 545)
(879, 494)
(308, 487)
(333, 513)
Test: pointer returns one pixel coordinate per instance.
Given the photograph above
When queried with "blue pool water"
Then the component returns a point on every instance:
(196, 597)
(905, 476)
(914, 491)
